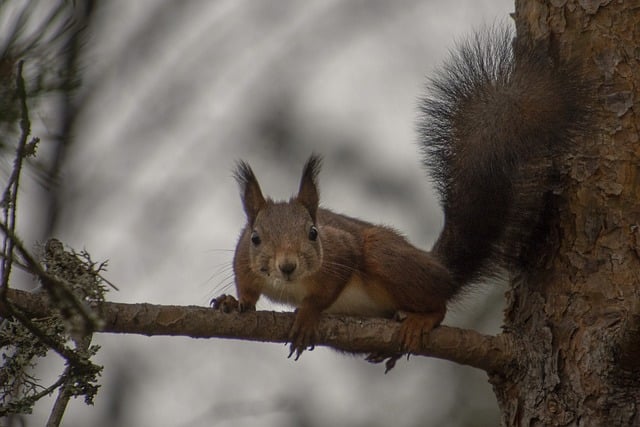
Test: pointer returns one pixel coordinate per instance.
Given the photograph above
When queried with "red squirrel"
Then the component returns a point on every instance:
(496, 118)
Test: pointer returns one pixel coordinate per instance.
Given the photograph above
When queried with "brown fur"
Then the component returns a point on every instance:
(497, 119)
(352, 267)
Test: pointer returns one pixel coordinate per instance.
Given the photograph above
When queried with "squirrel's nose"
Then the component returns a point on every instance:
(287, 267)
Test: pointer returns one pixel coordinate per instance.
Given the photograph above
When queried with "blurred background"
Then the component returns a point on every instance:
(147, 106)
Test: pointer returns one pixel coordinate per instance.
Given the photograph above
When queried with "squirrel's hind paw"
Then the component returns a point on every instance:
(388, 359)
(413, 328)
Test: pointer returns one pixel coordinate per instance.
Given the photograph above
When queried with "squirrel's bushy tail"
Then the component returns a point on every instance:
(495, 120)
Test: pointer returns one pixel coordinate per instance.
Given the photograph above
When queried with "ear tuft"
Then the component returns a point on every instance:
(252, 199)
(308, 194)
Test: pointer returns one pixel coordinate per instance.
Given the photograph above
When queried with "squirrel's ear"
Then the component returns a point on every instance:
(308, 193)
(250, 193)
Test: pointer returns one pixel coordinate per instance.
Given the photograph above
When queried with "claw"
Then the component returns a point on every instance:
(410, 336)
(292, 350)
(389, 359)
(391, 363)
(303, 334)
(225, 303)
(228, 303)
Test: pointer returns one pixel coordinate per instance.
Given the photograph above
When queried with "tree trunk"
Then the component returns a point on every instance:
(576, 319)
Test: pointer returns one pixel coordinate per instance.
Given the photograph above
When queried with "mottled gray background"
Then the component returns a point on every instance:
(173, 93)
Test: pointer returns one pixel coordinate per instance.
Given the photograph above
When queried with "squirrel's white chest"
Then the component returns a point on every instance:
(356, 299)
(284, 291)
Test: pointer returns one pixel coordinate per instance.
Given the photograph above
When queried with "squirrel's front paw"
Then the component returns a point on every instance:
(228, 303)
(225, 303)
(303, 334)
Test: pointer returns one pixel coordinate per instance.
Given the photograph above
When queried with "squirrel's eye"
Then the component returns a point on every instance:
(255, 238)
(313, 233)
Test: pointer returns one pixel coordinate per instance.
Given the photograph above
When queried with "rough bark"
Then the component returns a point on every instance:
(351, 334)
(576, 318)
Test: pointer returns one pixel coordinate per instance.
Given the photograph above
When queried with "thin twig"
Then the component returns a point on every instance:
(45, 392)
(10, 196)
(16, 263)
(64, 395)
(60, 405)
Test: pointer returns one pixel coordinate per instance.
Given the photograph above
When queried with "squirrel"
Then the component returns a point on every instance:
(496, 118)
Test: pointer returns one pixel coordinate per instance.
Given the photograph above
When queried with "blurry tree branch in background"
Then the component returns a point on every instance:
(39, 36)
(10, 195)
(70, 280)
(47, 37)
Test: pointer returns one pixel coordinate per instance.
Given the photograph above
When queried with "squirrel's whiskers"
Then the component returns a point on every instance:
(497, 117)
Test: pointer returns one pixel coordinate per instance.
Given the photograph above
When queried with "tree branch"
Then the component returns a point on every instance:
(10, 196)
(350, 334)
(65, 392)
